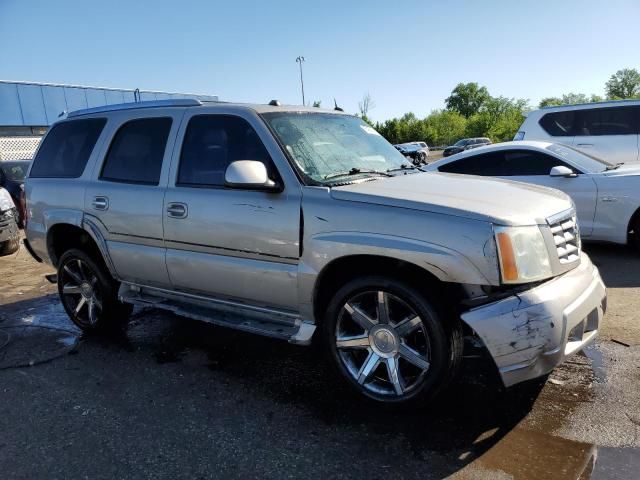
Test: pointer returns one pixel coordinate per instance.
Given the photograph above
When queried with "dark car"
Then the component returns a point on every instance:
(12, 173)
(465, 144)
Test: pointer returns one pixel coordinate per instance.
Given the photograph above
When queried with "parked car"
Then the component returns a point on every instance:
(9, 234)
(416, 151)
(12, 173)
(606, 130)
(465, 144)
(295, 222)
(606, 196)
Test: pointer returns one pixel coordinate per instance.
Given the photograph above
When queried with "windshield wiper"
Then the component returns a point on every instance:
(356, 171)
(613, 167)
(405, 166)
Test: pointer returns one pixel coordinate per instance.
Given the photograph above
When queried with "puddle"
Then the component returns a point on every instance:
(28, 345)
(597, 363)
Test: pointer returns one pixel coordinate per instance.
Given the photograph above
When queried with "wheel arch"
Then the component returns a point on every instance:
(633, 220)
(341, 270)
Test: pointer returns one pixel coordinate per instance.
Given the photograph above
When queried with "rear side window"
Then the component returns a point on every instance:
(487, 164)
(607, 121)
(211, 143)
(137, 151)
(559, 124)
(66, 149)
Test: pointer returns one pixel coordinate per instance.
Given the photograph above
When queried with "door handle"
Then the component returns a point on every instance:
(177, 210)
(100, 203)
(584, 145)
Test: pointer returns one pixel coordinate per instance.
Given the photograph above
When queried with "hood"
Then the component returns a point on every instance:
(626, 170)
(494, 200)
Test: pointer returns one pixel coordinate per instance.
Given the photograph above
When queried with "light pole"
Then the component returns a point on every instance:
(299, 60)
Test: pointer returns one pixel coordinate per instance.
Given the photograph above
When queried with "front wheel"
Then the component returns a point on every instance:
(10, 246)
(389, 342)
(89, 294)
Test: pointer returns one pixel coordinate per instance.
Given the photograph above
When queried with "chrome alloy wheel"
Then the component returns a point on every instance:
(80, 292)
(383, 343)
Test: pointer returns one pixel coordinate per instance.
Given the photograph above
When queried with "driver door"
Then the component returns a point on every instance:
(227, 243)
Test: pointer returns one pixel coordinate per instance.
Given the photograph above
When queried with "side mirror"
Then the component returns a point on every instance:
(562, 171)
(248, 174)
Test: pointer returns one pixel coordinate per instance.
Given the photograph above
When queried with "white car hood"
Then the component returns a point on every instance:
(480, 198)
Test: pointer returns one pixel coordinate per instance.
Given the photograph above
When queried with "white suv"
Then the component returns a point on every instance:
(608, 130)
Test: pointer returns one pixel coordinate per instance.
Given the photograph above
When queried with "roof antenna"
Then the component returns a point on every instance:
(336, 107)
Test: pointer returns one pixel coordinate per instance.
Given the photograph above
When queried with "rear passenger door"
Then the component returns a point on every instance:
(608, 133)
(233, 244)
(125, 197)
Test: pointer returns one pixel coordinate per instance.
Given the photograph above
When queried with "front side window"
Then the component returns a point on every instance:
(66, 149)
(211, 143)
(329, 147)
(137, 151)
(607, 121)
(529, 163)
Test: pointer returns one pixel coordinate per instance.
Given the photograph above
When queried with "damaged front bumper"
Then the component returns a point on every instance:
(529, 333)
(8, 226)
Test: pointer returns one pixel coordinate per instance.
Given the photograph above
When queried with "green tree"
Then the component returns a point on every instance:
(624, 84)
(499, 119)
(467, 98)
(444, 127)
(569, 99)
(550, 102)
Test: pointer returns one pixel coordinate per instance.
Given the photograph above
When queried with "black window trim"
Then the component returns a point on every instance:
(51, 129)
(135, 182)
(577, 112)
(207, 186)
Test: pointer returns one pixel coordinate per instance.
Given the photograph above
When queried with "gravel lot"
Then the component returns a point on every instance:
(175, 398)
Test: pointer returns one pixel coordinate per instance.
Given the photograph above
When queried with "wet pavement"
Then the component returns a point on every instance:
(176, 398)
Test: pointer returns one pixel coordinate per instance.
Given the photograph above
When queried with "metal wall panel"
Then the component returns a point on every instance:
(10, 112)
(76, 98)
(32, 104)
(24, 104)
(54, 103)
(95, 97)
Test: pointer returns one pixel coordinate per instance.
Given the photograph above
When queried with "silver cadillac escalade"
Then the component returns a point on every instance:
(300, 224)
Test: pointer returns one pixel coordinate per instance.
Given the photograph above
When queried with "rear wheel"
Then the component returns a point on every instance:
(89, 294)
(388, 341)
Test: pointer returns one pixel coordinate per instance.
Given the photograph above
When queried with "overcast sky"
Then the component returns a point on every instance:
(407, 54)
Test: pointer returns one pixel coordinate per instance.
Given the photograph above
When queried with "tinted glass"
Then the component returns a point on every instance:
(66, 149)
(528, 162)
(487, 164)
(607, 121)
(559, 124)
(505, 164)
(136, 152)
(211, 143)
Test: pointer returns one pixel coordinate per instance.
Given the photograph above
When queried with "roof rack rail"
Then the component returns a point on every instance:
(175, 102)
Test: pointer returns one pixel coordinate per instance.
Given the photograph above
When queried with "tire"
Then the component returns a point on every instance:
(635, 238)
(10, 246)
(89, 294)
(404, 356)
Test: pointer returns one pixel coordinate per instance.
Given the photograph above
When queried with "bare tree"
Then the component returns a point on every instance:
(366, 104)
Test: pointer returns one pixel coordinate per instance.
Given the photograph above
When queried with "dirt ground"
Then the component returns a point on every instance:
(175, 398)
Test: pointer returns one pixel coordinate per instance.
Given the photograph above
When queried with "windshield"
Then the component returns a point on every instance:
(461, 143)
(15, 172)
(586, 162)
(325, 146)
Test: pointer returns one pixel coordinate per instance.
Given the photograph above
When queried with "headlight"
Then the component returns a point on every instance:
(6, 203)
(523, 254)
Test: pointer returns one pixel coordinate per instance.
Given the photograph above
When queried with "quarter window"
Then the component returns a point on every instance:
(211, 143)
(137, 151)
(559, 124)
(66, 149)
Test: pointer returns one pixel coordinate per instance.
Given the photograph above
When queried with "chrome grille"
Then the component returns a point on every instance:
(566, 236)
